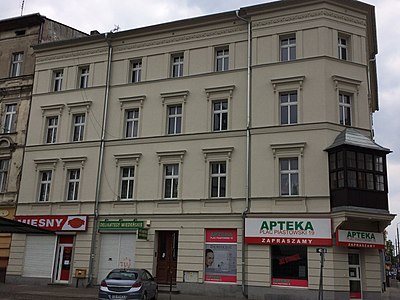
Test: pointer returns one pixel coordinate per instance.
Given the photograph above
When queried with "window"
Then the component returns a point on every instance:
(289, 265)
(51, 131)
(177, 65)
(78, 127)
(222, 59)
(288, 47)
(345, 109)
(218, 179)
(343, 50)
(289, 176)
(171, 178)
(136, 71)
(357, 171)
(220, 115)
(83, 77)
(10, 116)
(73, 184)
(126, 167)
(44, 185)
(57, 80)
(127, 182)
(131, 122)
(16, 64)
(3, 174)
(288, 104)
(174, 119)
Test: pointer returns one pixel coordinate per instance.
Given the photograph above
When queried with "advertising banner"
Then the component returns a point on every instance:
(56, 223)
(221, 255)
(360, 239)
(288, 231)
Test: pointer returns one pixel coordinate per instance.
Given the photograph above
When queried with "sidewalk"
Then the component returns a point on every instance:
(57, 292)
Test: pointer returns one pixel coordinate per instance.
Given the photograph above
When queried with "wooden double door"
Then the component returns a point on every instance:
(167, 257)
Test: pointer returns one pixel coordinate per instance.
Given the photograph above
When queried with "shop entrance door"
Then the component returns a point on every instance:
(355, 276)
(63, 258)
(167, 256)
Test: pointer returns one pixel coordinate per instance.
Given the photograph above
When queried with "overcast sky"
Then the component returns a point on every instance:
(105, 15)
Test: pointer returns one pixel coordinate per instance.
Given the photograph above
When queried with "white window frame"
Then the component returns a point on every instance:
(177, 63)
(78, 127)
(41, 166)
(84, 77)
(51, 130)
(75, 109)
(173, 99)
(287, 47)
(217, 155)
(288, 151)
(48, 111)
(136, 70)
(287, 107)
(288, 85)
(16, 64)
(350, 87)
(170, 158)
(345, 109)
(4, 171)
(343, 48)
(219, 176)
(174, 118)
(73, 163)
(219, 94)
(221, 59)
(127, 104)
(126, 161)
(58, 76)
(132, 123)
(221, 113)
(173, 191)
(73, 182)
(130, 180)
(290, 172)
(9, 123)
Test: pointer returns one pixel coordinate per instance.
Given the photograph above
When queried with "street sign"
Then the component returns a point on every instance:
(322, 250)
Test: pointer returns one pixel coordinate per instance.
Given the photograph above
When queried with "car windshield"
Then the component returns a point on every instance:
(123, 275)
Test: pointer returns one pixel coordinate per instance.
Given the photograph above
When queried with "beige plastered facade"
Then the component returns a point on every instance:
(317, 75)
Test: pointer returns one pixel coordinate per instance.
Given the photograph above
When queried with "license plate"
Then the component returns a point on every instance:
(118, 296)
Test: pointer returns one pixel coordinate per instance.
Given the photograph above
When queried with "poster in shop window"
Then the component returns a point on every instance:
(220, 256)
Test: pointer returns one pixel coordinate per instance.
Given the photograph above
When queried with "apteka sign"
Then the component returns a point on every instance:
(288, 231)
(360, 239)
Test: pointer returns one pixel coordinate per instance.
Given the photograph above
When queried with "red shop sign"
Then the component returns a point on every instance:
(56, 223)
(221, 236)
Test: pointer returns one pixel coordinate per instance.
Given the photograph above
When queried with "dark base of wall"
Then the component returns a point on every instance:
(265, 293)
(27, 280)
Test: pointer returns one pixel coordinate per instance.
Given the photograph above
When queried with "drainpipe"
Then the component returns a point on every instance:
(248, 150)
(100, 163)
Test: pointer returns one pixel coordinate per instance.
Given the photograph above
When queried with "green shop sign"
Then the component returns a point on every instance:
(120, 225)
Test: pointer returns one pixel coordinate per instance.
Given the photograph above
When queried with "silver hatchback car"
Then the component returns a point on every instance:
(128, 284)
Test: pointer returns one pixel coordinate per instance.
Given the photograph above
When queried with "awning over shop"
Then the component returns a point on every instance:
(11, 226)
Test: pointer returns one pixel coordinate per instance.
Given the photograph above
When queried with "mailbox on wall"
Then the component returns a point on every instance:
(80, 273)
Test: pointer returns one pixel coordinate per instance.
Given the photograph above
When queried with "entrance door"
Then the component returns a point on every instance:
(167, 256)
(355, 276)
(64, 258)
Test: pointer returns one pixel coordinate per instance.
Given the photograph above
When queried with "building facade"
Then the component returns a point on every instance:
(229, 154)
(17, 63)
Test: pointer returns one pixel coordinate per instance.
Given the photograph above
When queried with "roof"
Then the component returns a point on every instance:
(12, 226)
(353, 137)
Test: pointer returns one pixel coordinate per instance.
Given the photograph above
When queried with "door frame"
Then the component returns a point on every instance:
(173, 238)
(59, 257)
(358, 270)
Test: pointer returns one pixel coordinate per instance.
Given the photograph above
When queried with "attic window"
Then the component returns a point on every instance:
(20, 32)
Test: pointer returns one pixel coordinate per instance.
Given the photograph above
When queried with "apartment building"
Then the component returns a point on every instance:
(17, 63)
(228, 154)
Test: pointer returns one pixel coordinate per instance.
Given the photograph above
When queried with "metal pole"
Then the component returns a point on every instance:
(321, 280)
(398, 250)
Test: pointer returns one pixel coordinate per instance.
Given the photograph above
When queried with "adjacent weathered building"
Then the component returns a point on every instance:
(17, 63)
(230, 148)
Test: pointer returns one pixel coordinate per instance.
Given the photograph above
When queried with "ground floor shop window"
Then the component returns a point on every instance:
(289, 265)
(220, 255)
